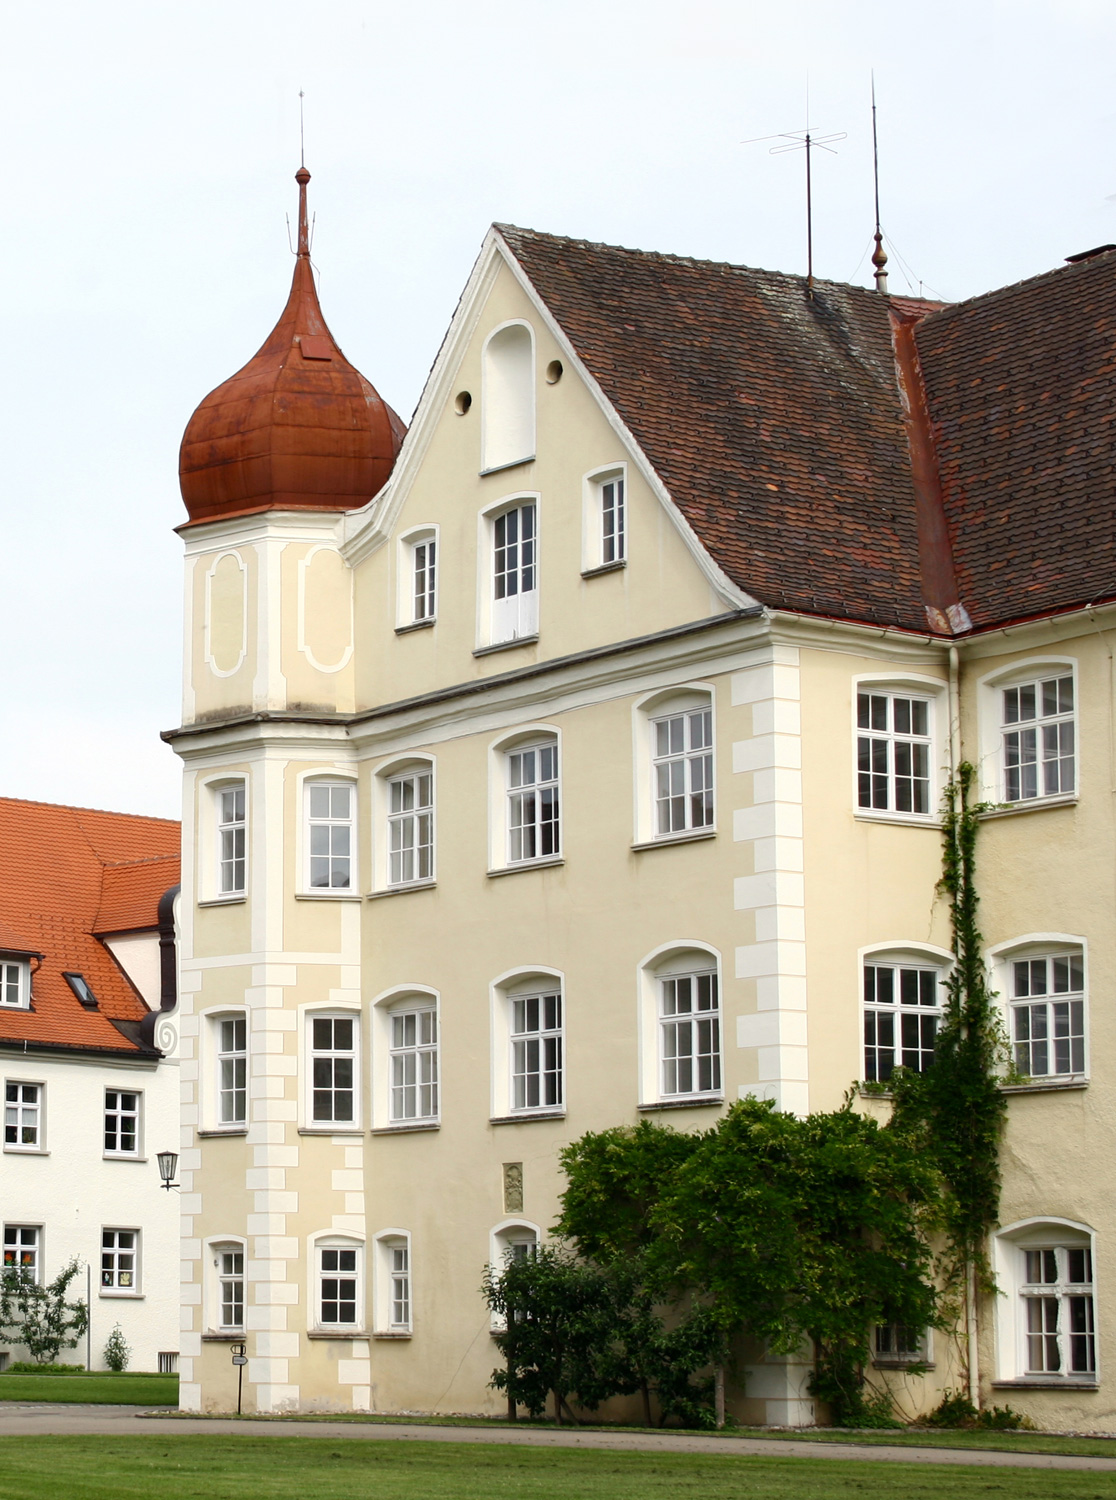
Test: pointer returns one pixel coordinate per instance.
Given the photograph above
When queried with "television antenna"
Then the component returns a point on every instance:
(803, 140)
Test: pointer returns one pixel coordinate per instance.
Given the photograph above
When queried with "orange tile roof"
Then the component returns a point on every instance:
(68, 874)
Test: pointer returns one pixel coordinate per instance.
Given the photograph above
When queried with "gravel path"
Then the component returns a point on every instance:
(19, 1420)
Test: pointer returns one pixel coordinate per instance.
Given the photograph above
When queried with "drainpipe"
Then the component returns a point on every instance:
(954, 712)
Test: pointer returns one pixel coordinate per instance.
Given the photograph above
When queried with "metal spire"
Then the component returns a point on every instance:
(879, 254)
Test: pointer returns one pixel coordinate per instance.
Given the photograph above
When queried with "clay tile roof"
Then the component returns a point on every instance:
(1020, 385)
(773, 420)
(67, 874)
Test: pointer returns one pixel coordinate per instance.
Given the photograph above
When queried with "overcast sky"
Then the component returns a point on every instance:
(148, 157)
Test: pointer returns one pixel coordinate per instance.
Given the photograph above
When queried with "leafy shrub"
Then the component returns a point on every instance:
(956, 1410)
(117, 1351)
(29, 1367)
(39, 1317)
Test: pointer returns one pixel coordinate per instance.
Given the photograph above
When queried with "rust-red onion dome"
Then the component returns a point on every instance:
(298, 428)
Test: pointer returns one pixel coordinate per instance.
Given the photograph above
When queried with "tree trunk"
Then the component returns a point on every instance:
(719, 1394)
(646, 1389)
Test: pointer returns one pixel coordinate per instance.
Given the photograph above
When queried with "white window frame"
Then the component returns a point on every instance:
(411, 609)
(25, 1113)
(1010, 1245)
(1041, 945)
(932, 691)
(521, 984)
(664, 703)
(117, 1153)
(501, 449)
(534, 802)
(209, 830)
(333, 1014)
(919, 1351)
(899, 955)
(383, 776)
(19, 1241)
(500, 791)
(406, 826)
(511, 1235)
(216, 1250)
(990, 690)
(219, 1054)
(506, 625)
(319, 1273)
(593, 540)
(674, 960)
(310, 782)
(228, 844)
(15, 979)
(386, 1278)
(116, 1254)
(406, 998)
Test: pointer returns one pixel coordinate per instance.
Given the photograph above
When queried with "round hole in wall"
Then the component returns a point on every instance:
(554, 372)
(462, 402)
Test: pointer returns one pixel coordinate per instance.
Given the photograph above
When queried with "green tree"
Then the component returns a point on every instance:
(117, 1350)
(40, 1317)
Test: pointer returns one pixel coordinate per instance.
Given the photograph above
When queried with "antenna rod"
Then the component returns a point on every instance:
(302, 132)
(879, 254)
(809, 225)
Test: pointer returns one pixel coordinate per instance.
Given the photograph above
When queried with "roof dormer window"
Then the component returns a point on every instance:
(81, 989)
(15, 984)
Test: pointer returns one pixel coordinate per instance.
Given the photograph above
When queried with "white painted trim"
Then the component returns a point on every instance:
(649, 970)
(379, 1047)
(1007, 1245)
(488, 463)
(999, 959)
(645, 707)
(990, 727)
(382, 774)
(404, 551)
(932, 688)
(302, 843)
(323, 1010)
(303, 568)
(500, 990)
(382, 1242)
(592, 535)
(522, 735)
(487, 517)
(207, 619)
(327, 1239)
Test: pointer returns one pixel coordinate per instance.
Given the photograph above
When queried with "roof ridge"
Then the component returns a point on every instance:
(105, 812)
(141, 859)
(996, 293)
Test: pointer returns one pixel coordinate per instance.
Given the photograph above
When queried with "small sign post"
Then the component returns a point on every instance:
(239, 1359)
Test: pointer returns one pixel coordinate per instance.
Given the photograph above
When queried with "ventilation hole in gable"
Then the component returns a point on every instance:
(554, 372)
(462, 402)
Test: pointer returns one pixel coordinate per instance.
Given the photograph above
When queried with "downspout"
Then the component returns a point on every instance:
(168, 970)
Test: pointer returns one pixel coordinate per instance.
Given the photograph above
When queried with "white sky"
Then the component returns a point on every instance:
(149, 150)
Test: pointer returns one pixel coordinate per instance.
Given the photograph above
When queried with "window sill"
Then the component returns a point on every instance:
(897, 819)
(348, 1129)
(518, 640)
(338, 1335)
(400, 1335)
(528, 1116)
(223, 1338)
(237, 898)
(338, 895)
(882, 1363)
(25, 1151)
(122, 1296)
(222, 1130)
(1041, 1383)
(401, 890)
(512, 464)
(1032, 804)
(613, 567)
(1046, 1086)
(120, 1156)
(691, 836)
(692, 1101)
(528, 864)
(416, 625)
(406, 1127)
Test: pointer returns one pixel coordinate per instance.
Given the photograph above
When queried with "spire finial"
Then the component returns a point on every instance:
(302, 177)
(879, 254)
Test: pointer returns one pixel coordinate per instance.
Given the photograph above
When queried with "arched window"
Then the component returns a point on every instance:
(1028, 716)
(1046, 1321)
(405, 1053)
(529, 1061)
(509, 397)
(903, 996)
(898, 747)
(681, 1026)
(339, 1282)
(226, 1285)
(1042, 979)
(525, 823)
(393, 1290)
(675, 765)
(329, 835)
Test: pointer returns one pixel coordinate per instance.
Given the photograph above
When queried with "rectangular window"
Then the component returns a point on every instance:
(12, 982)
(230, 1287)
(425, 579)
(897, 1344)
(333, 1070)
(21, 1249)
(414, 1064)
(613, 521)
(1060, 1331)
(399, 1272)
(119, 1260)
(536, 1051)
(232, 832)
(1039, 757)
(338, 1285)
(232, 1070)
(23, 1109)
(683, 757)
(515, 608)
(331, 835)
(411, 827)
(533, 821)
(902, 1009)
(893, 752)
(690, 1034)
(121, 1122)
(1048, 1014)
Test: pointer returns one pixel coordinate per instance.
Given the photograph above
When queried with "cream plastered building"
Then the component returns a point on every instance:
(589, 771)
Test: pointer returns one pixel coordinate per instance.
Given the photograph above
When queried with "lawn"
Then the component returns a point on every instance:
(283, 1468)
(101, 1387)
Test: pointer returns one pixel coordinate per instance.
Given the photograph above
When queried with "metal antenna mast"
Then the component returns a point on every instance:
(879, 254)
(797, 141)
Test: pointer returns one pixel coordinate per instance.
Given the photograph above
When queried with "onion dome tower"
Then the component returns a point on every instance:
(298, 428)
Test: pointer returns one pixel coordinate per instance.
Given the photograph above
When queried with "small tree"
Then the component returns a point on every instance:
(117, 1351)
(40, 1317)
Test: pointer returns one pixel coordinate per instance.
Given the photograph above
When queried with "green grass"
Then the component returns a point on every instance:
(282, 1468)
(101, 1387)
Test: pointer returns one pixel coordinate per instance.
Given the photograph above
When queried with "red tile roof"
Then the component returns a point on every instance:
(829, 462)
(67, 874)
